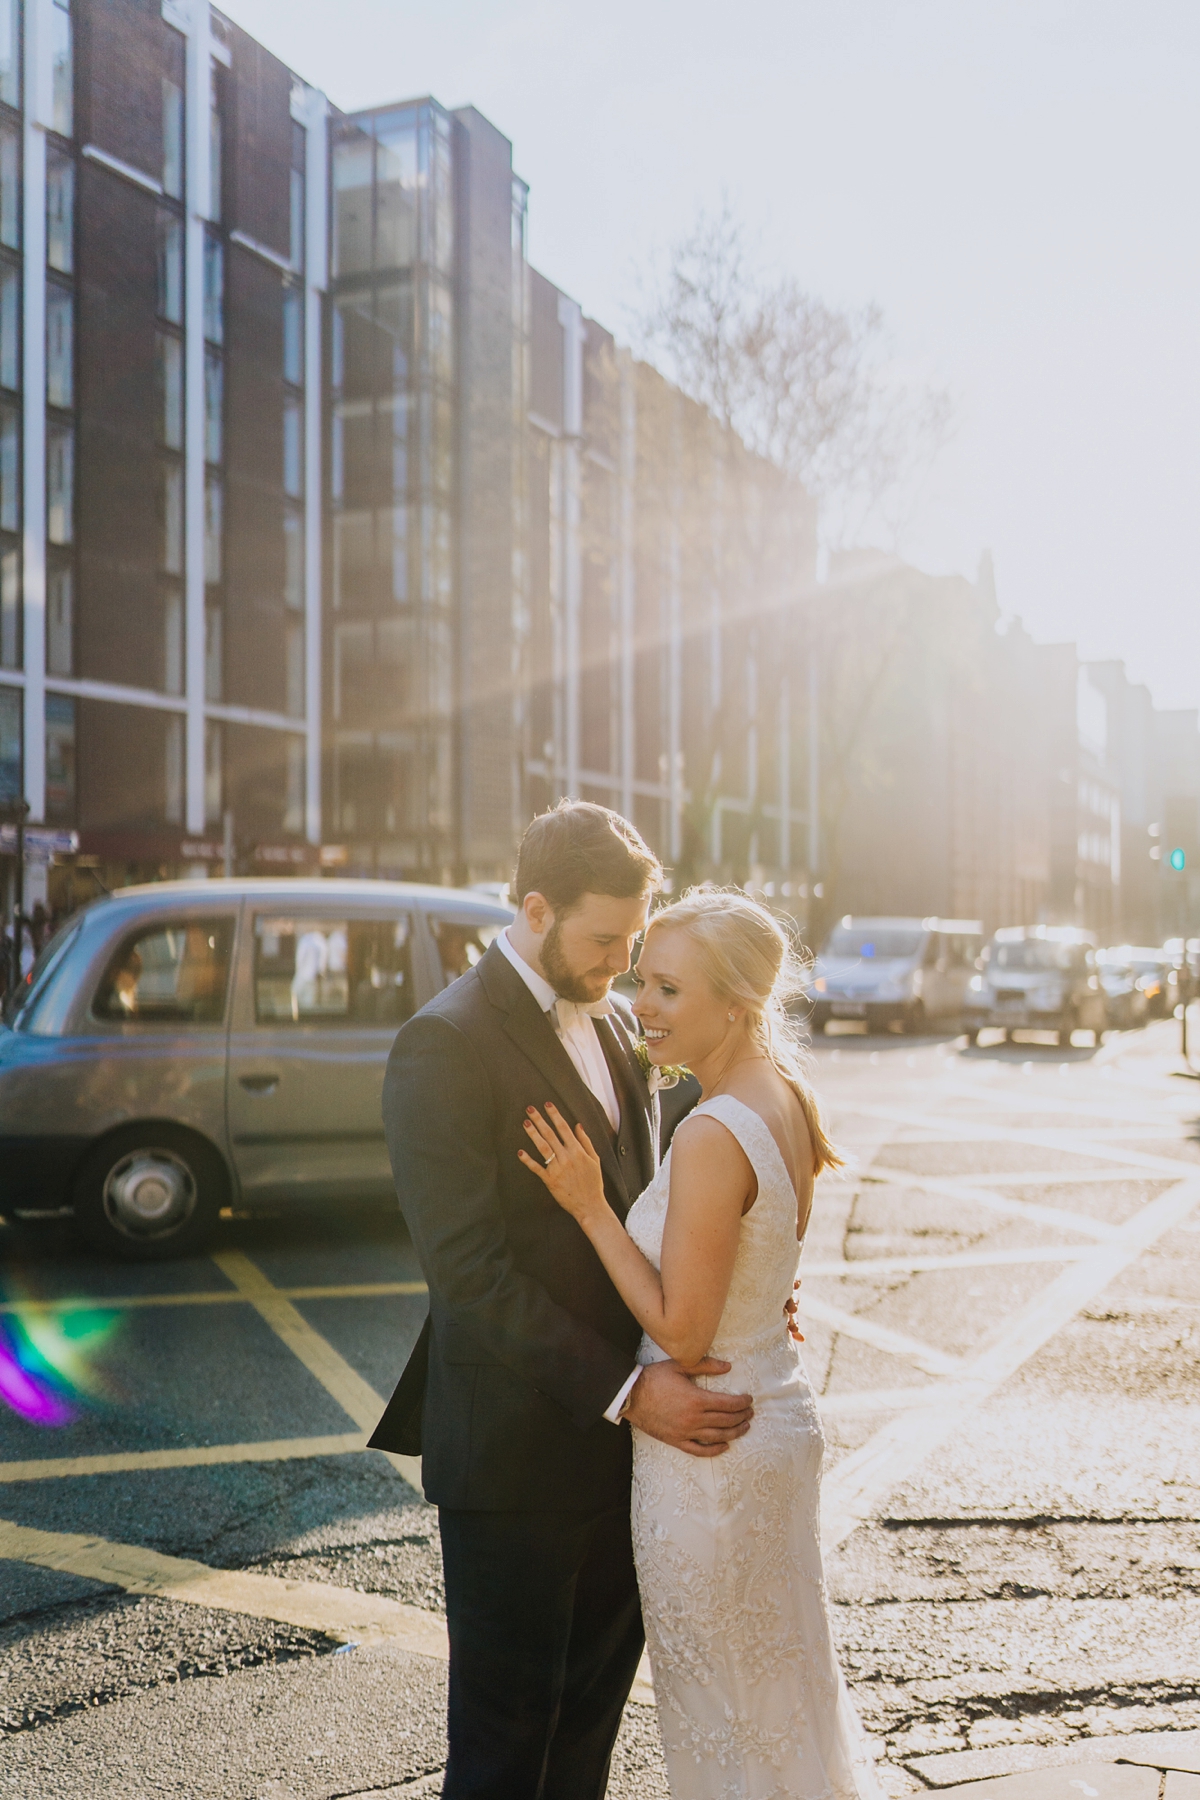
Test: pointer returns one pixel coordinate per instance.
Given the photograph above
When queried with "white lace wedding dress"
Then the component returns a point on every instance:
(751, 1702)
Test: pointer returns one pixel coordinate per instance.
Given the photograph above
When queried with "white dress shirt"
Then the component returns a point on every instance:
(573, 1023)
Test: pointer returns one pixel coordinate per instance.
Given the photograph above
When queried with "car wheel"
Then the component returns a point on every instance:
(150, 1192)
(914, 1023)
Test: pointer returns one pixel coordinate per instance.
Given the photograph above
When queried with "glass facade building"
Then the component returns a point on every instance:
(392, 486)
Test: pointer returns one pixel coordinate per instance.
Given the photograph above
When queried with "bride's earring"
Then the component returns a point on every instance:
(731, 1018)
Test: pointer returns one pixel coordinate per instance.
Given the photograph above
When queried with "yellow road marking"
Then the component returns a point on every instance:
(355, 1396)
(341, 1613)
(117, 1462)
(358, 1290)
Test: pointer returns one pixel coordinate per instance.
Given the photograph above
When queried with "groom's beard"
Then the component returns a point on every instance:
(583, 989)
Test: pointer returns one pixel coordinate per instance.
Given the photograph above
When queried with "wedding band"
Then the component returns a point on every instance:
(553, 1157)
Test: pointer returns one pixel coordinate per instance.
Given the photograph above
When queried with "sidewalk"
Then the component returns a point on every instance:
(364, 1722)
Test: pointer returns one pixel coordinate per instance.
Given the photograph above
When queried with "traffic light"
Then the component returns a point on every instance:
(1181, 838)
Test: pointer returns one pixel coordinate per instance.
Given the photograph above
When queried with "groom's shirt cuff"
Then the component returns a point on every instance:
(613, 1413)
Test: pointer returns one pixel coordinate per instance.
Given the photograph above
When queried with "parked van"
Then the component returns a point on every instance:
(895, 972)
(192, 1045)
(1039, 978)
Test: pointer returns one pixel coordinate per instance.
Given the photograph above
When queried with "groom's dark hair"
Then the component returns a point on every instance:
(583, 849)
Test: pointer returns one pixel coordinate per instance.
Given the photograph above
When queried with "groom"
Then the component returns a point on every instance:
(516, 1391)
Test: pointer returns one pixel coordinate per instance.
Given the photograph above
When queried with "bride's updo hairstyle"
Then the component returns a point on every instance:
(750, 961)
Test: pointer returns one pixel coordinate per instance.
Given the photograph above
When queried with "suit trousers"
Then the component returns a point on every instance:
(545, 1636)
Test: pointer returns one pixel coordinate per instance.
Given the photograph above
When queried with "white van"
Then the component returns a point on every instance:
(910, 973)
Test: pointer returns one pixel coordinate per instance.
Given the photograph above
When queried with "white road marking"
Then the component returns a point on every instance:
(861, 1482)
(950, 1188)
(864, 1267)
(895, 1343)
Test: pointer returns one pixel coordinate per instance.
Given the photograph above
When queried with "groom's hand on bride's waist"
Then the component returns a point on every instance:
(666, 1403)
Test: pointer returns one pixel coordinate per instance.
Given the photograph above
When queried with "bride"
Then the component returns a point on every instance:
(751, 1702)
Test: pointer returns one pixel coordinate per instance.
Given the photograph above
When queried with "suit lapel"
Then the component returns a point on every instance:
(630, 1084)
(530, 1029)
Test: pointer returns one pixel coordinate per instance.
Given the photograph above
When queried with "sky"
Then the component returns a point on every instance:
(1014, 182)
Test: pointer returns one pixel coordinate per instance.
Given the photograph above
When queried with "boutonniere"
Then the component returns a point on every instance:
(658, 1075)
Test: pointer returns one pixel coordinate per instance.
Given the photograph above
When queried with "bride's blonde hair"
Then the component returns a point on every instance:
(749, 959)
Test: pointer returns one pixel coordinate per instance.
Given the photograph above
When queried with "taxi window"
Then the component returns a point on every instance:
(461, 943)
(332, 971)
(174, 974)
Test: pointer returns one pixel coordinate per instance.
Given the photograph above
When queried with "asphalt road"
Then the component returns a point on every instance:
(1001, 1303)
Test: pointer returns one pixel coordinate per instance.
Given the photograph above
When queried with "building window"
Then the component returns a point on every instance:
(293, 449)
(214, 147)
(296, 257)
(10, 327)
(10, 186)
(60, 485)
(10, 52)
(11, 781)
(173, 641)
(212, 531)
(10, 609)
(397, 191)
(214, 391)
(60, 211)
(293, 336)
(172, 164)
(60, 340)
(60, 622)
(170, 382)
(174, 771)
(214, 290)
(294, 664)
(10, 469)
(293, 814)
(214, 653)
(352, 159)
(170, 268)
(172, 520)
(213, 782)
(293, 561)
(62, 69)
(60, 759)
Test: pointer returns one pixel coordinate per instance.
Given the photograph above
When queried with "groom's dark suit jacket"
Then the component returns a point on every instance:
(527, 1340)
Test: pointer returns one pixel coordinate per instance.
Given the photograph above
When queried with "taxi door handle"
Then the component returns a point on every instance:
(259, 1084)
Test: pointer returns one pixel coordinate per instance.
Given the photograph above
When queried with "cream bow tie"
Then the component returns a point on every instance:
(567, 1011)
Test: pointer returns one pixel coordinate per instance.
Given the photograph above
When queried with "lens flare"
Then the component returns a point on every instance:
(47, 1362)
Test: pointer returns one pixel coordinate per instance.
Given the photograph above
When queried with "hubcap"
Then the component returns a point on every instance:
(149, 1193)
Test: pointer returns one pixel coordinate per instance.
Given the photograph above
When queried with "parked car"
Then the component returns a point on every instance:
(1126, 1000)
(1038, 978)
(193, 1045)
(906, 972)
(1156, 976)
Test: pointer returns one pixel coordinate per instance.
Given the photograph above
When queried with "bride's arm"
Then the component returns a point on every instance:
(711, 1182)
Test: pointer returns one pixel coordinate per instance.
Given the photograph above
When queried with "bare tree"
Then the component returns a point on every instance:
(812, 389)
